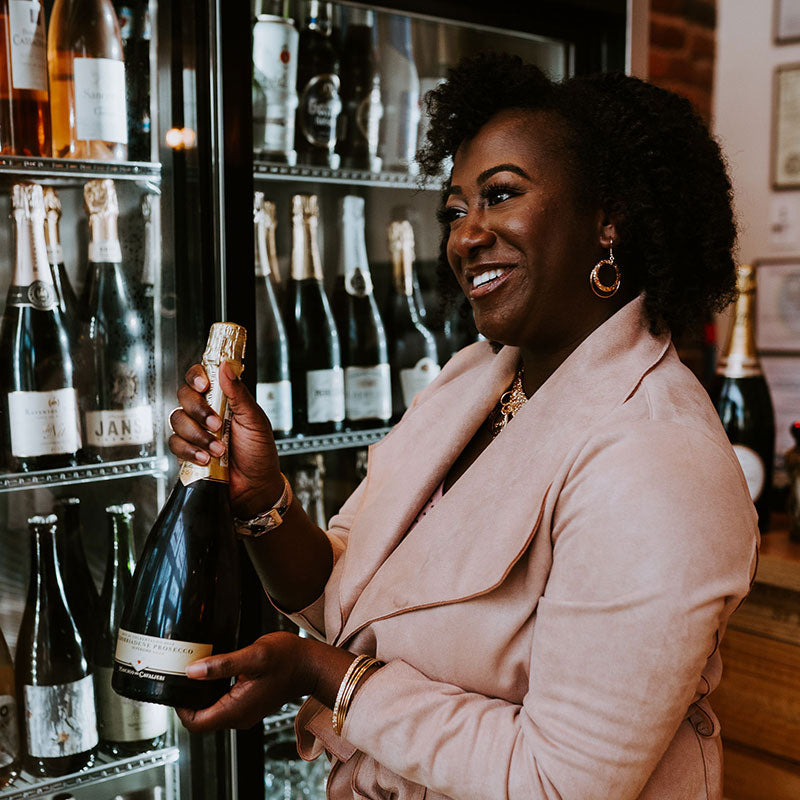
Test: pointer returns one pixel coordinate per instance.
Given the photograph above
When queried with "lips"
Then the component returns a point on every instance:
(486, 278)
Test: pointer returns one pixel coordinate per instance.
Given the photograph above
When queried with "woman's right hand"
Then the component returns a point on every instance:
(255, 476)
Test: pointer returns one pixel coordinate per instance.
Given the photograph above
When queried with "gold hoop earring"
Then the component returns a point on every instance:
(601, 289)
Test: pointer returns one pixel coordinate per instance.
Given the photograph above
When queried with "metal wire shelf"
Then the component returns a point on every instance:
(330, 441)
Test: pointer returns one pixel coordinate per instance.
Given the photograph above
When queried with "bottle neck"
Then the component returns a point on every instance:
(403, 270)
(150, 243)
(306, 261)
(52, 240)
(45, 568)
(266, 257)
(353, 264)
(121, 562)
(32, 281)
(103, 238)
(740, 359)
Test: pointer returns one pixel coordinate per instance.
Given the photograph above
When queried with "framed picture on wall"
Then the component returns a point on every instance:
(786, 18)
(785, 165)
(778, 306)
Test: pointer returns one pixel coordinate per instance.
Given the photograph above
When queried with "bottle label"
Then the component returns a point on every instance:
(368, 392)
(55, 254)
(100, 100)
(40, 295)
(276, 400)
(325, 392)
(28, 49)
(320, 106)
(753, 468)
(121, 719)
(9, 736)
(44, 423)
(106, 251)
(154, 658)
(119, 427)
(414, 380)
(60, 720)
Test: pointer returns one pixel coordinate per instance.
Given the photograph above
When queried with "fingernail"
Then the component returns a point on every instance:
(199, 383)
(202, 456)
(217, 448)
(196, 670)
(213, 422)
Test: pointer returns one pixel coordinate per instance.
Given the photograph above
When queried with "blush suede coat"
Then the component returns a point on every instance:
(551, 628)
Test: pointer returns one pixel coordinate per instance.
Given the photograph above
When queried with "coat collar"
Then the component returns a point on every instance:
(473, 536)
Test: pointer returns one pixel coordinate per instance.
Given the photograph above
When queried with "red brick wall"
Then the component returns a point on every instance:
(682, 48)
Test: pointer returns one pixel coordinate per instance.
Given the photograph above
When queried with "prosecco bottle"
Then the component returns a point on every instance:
(184, 600)
(413, 356)
(365, 354)
(9, 719)
(273, 382)
(67, 300)
(116, 387)
(125, 726)
(316, 366)
(38, 400)
(743, 401)
(54, 679)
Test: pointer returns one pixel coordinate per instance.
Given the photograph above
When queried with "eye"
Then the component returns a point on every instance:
(494, 193)
(449, 214)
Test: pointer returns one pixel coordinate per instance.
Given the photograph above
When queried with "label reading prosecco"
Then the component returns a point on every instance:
(414, 380)
(9, 736)
(753, 468)
(44, 423)
(60, 720)
(100, 100)
(121, 719)
(28, 50)
(154, 658)
(368, 392)
(325, 393)
(276, 400)
(119, 427)
(320, 106)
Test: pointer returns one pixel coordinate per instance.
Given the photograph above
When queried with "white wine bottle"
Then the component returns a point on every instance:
(184, 600)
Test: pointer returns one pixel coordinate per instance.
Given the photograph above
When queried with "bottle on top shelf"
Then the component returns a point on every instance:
(125, 726)
(273, 380)
(9, 718)
(181, 609)
(316, 365)
(87, 81)
(54, 679)
(117, 392)
(37, 390)
(742, 398)
(365, 353)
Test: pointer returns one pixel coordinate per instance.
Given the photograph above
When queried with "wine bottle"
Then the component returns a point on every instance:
(742, 398)
(37, 392)
(30, 103)
(365, 354)
(54, 679)
(316, 366)
(79, 586)
(116, 388)
(414, 356)
(273, 382)
(9, 719)
(319, 103)
(67, 300)
(125, 726)
(87, 81)
(362, 109)
(6, 133)
(184, 600)
(146, 294)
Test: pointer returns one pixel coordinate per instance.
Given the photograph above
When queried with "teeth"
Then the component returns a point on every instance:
(485, 277)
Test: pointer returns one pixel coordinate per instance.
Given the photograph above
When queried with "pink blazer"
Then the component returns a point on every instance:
(551, 628)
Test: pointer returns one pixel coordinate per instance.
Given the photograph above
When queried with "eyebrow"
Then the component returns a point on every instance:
(487, 173)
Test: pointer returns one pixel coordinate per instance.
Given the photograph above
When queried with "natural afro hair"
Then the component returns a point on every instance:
(639, 153)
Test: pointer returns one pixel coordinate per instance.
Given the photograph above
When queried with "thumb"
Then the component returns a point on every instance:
(242, 404)
(227, 665)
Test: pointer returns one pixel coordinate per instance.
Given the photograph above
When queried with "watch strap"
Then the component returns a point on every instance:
(268, 520)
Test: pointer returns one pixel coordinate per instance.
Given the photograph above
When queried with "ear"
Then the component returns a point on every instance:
(607, 231)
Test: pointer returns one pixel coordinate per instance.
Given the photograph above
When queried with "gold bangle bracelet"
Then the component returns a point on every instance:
(360, 666)
(342, 688)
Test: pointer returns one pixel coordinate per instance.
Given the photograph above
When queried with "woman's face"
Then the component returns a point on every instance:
(519, 245)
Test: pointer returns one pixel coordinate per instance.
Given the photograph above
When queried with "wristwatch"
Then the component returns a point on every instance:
(269, 519)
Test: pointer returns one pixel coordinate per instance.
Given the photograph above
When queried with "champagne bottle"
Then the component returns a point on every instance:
(743, 401)
(273, 383)
(116, 388)
(316, 366)
(67, 300)
(413, 357)
(54, 680)
(37, 393)
(23, 25)
(9, 719)
(87, 81)
(184, 600)
(125, 726)
(367, 381)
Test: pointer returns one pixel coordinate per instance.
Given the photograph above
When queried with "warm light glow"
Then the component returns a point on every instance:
(181, 138)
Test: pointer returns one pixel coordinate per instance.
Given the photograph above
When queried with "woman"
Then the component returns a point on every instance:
(549, 627)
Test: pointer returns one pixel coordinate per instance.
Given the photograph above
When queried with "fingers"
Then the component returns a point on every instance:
(248, 660)
(243, 405)
(196, 378)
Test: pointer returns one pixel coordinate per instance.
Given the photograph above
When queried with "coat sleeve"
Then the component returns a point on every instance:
(654, 544)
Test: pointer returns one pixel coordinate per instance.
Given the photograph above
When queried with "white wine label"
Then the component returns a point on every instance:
(154, 658)
(60, 720)
(276, 400)
(368, 392)
(325, 393)
(55, 254)
(753, 468)
(105, 251)
(40, 295)
(9, 734)
(121, 719)
(44, 423)
(28, 49)
(320, 106)
(119, 427)
(414, 380)
(100, 100)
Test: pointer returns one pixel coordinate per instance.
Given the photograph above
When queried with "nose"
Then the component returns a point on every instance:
(470, 236)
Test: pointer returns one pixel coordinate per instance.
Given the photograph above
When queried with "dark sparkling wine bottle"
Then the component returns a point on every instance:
(116, 388)
(742, 398)
(316, 366)
(125, 726)
(413, 356)
(184, 601)
(38, 401)
(273, 381)
(9, 718)
(365, 354)
(54, 679)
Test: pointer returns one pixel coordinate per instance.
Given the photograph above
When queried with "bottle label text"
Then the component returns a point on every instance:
(276, 400)
(100, 100)
(44, 423)
(154, 658)
(28, 49)
(120, 427)
(325, 393)
(368, 392)
(124, 720)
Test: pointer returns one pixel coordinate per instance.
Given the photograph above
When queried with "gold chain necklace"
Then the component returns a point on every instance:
(511, 401)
